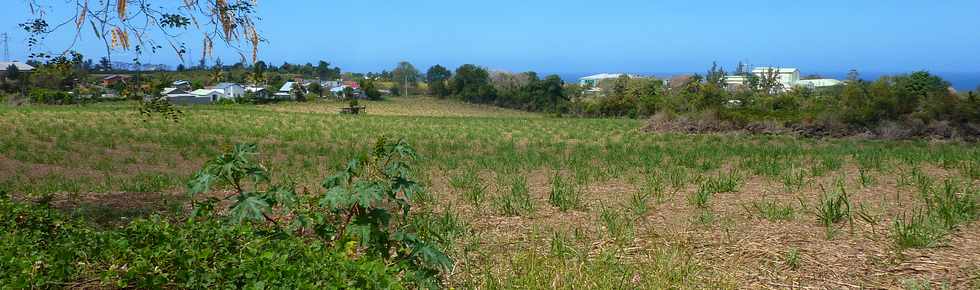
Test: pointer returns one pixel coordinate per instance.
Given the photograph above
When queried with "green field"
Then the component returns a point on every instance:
(531, 201)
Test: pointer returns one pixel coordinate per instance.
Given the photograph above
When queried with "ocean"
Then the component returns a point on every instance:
(960, 81)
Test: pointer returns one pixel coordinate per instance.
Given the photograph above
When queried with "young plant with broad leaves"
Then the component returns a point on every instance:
(365, 207)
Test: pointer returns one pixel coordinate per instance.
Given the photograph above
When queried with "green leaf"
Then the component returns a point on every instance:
(337, 198)
(284, 195)
(368, 193)
(248, 207)
(200, 183)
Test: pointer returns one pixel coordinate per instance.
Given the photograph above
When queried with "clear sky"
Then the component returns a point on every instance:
(575, 36)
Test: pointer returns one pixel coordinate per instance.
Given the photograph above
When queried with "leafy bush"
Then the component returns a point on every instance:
(51, 97)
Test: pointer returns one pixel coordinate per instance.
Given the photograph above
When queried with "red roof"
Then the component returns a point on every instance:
(352, 84)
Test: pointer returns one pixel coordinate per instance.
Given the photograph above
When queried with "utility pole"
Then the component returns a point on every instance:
(6, 47)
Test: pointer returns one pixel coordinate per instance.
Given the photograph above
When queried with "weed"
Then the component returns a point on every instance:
(773, 211)
(655, 186)
(564, 195)
(794, 180)
(833, 207)
(916, 230)
(561, 245)
(953, 205)
(701, 197)
(704, 216)
(517, 201)
(792, 258)
(471, 186)
(868, 217)
(865, 178)
(639, 203)
(618, 224)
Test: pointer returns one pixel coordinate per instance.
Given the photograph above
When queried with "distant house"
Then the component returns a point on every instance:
(210, 94)
(21, 67)
(352, 84)
(818, 83)
(737, 81)
(173, 91)
(787, 77)
(286, 91)
(182, 97)
(339, 92)
(331, 84)
(259, 92)
(594, 80)
(111, 80)
(186, 85)
(230, 90)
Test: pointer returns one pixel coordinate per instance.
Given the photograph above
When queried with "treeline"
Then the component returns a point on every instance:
(523, 91)
(897, 106)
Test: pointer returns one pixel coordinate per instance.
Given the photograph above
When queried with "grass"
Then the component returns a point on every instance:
(517, 201)
(792, 259)
(834, 207)
(564, 195)
(546, 175)
(618, 223)
(773, 210)
(946, 209)
(471, 187)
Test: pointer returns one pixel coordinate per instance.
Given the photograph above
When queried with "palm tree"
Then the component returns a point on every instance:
(216, 76)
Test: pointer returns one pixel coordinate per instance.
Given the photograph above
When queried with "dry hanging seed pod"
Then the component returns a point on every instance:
(121, 8)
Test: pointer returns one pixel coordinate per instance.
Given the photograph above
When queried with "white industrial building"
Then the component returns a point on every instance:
(787, 77)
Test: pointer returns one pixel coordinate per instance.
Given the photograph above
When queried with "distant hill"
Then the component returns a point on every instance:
(118, 65)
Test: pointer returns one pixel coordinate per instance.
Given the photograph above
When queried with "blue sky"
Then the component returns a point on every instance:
(596, 36)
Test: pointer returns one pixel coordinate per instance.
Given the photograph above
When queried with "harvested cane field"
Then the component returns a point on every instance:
(519, 200)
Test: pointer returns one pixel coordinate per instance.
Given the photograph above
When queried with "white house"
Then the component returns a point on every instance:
(230, 90)
(286, 91)
(173, 91)
(788, 77)
(594, 80)
(258, 92)
(21, 67)
(186, 85)
(736, 81)
(818, 83)
(211, 94)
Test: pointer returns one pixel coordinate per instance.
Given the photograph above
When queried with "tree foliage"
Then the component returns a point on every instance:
(438, 77)
(133, 24)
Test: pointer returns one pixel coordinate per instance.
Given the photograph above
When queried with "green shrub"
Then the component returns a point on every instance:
(45, 96)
